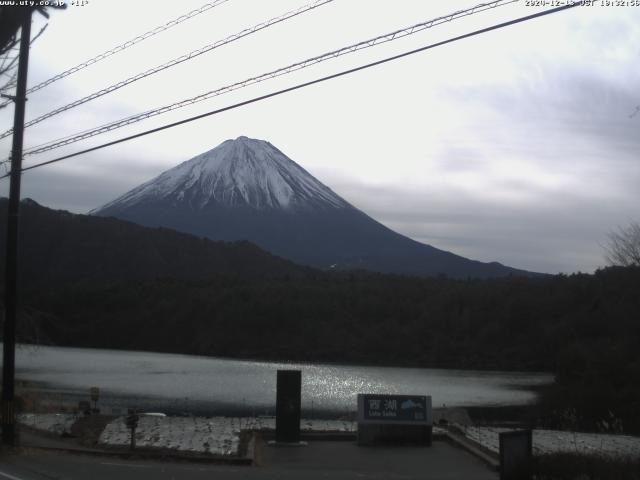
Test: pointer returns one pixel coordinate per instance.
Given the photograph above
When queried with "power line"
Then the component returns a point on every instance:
(306, 84)
(388, 37)
(125, 45)
(70, 136)
(176, 61)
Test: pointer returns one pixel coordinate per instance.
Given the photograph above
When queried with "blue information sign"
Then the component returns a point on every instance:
(394, 408)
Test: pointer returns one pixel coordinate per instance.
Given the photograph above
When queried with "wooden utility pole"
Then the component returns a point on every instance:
(9, 436)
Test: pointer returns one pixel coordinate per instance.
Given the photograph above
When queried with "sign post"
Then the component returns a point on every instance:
(94, 392)
(394, 419)
(132, 424)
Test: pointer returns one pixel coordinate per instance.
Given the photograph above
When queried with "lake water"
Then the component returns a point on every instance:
(194, 384)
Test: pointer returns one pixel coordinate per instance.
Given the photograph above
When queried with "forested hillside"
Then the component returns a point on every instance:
(61, 247)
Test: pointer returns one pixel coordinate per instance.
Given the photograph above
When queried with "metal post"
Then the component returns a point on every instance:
(11, 264)
(132, 444)
(132, 423)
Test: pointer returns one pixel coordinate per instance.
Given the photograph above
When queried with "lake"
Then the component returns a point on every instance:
(207, 385)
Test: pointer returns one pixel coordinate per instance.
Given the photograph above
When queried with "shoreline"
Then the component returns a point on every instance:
(302, 362)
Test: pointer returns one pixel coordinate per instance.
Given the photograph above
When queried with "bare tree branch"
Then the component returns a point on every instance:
(8, 67)
(39, 33)
(623, 246)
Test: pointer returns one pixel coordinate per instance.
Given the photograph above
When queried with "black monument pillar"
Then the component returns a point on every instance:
(288, 406)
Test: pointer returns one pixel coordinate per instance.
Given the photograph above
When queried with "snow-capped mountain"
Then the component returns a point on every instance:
(246, 189)
(240, 172)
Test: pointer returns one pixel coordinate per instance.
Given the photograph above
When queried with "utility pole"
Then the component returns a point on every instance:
(11, 263)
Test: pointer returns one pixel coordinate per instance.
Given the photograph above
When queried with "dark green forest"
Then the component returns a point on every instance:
(510, 323)
(127, 287)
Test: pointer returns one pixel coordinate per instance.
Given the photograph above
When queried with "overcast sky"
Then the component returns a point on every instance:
(519, 146)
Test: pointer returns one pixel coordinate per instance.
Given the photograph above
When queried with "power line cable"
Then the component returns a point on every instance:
(388, 37)
(305, 84)
(176, 61)
(125, 45)
(50, 142)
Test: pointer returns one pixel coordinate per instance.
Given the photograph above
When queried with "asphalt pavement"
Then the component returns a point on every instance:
(318, 460)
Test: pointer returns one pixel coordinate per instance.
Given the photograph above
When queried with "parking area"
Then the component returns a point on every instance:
(344, 459)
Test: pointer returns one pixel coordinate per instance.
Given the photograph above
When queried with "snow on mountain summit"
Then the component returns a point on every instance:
(240, 172)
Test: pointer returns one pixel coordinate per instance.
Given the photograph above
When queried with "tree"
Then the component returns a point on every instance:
(11, 17)
(623, 246)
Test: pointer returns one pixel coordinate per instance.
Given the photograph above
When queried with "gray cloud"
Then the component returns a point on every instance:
(563, 233)
(85, 184)
(566, 112)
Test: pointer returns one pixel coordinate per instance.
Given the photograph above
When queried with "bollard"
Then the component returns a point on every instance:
(515, 455)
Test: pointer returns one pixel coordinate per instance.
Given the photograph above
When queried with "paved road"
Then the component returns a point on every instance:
(319, 460)
(46, 466)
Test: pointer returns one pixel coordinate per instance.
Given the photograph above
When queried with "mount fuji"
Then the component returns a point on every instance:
(247, 189)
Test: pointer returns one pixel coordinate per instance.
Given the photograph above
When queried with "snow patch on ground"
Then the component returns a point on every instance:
(216, 435)
(555, 441)
(56, 423)
(221, 435)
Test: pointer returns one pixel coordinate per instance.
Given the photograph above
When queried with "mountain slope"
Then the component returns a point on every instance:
(60, 247)
(247, 189)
